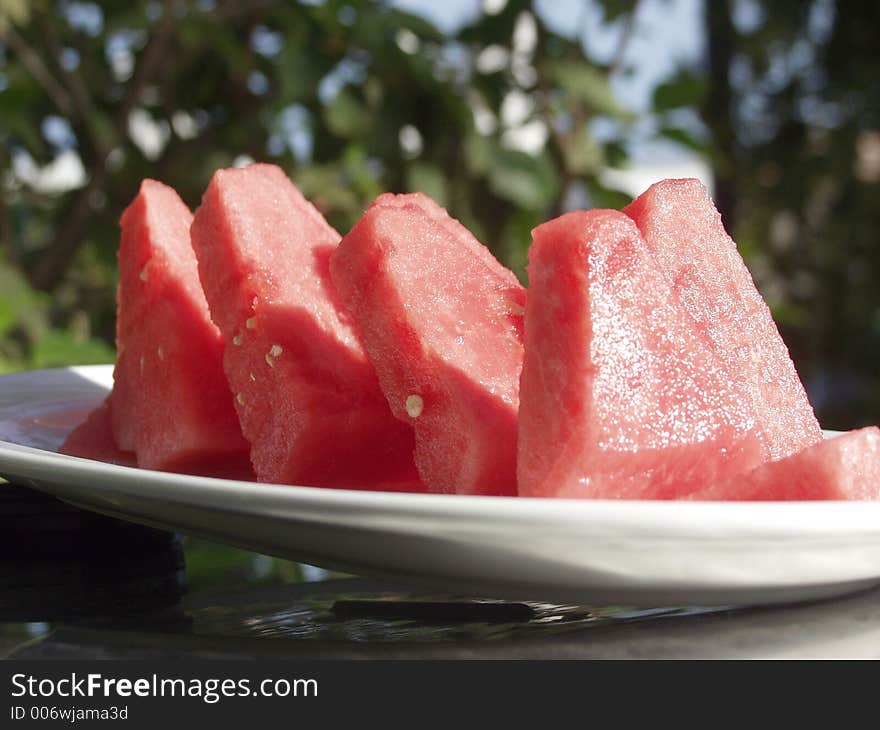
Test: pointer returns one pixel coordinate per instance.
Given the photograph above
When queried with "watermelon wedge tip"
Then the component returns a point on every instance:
(170, 403)
(441, 321)
(307, 397)
(622, 396)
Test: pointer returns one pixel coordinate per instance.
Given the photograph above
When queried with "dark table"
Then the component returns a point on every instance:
(80, 586)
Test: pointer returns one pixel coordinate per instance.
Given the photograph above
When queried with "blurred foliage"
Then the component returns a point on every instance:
(497, 120)
(793, 105)
(212, 565)
(352, 98)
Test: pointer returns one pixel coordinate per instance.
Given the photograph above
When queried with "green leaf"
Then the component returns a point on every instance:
(21, 95)
(300, 73)
(683, 138)
(14, 12)
(420, 26)
(614, 9)
(525, 180)
(583, 154)
(28, 135)
(345, 116)
(479, 150)
(588, 85)
(604, 197)
(428, 179)
(371, 29)
(682, 90)
(22, 305)
(326, 187)
(103, 129)
(22, 104)
(516, 240)
(59, 348)
(7, 316)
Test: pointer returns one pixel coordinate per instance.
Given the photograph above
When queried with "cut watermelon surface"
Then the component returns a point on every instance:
(170, 404)
(441, 321)
(306, 395)
(687, 238)
(622, 395)
(93, 439)
(843, 467)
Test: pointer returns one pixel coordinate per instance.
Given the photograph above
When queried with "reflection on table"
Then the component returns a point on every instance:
(81, 585)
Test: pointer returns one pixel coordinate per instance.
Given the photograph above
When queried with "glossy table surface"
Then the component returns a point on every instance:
(81, 586)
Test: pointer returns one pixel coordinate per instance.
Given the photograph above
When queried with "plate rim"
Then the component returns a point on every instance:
(30, 457)
(637, 551)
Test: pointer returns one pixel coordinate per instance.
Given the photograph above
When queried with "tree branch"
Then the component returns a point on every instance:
(66, 242)
(717, 110)
(626, 34)
(83, 107)
(33, 62)
(152, 57)
(49, 269)
(5, 227)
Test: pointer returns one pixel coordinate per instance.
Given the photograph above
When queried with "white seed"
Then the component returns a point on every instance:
(270, 361)
(145, 272)
(253, 377)
(275, 350)
(251, 323)
(513, 306)
(236, 340)
(240, 398)
(142, 364)
(161, 353)
(414, 405)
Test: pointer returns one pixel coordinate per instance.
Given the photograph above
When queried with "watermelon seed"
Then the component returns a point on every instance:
(511, 299)
(142, 364)
(161, 353)
(251, 323)
(236, 340)
(145, 271)
(414, 406)
(253, 377)
(240, 398)
(274, 352)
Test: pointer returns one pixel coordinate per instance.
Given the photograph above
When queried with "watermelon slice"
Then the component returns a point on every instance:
(307, 397)
(441, 321)
(622, 395)
(684, 232)
(171, 404)
(843, 467)
(93, 439)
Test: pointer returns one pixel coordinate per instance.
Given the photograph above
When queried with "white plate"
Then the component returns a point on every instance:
(631, 553)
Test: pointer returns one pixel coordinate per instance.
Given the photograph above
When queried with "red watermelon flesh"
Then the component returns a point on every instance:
(171, 404)
(684, 232)
(93, 439)
(307, 397)
(441, 321)
(622, 396)
(843, 467)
